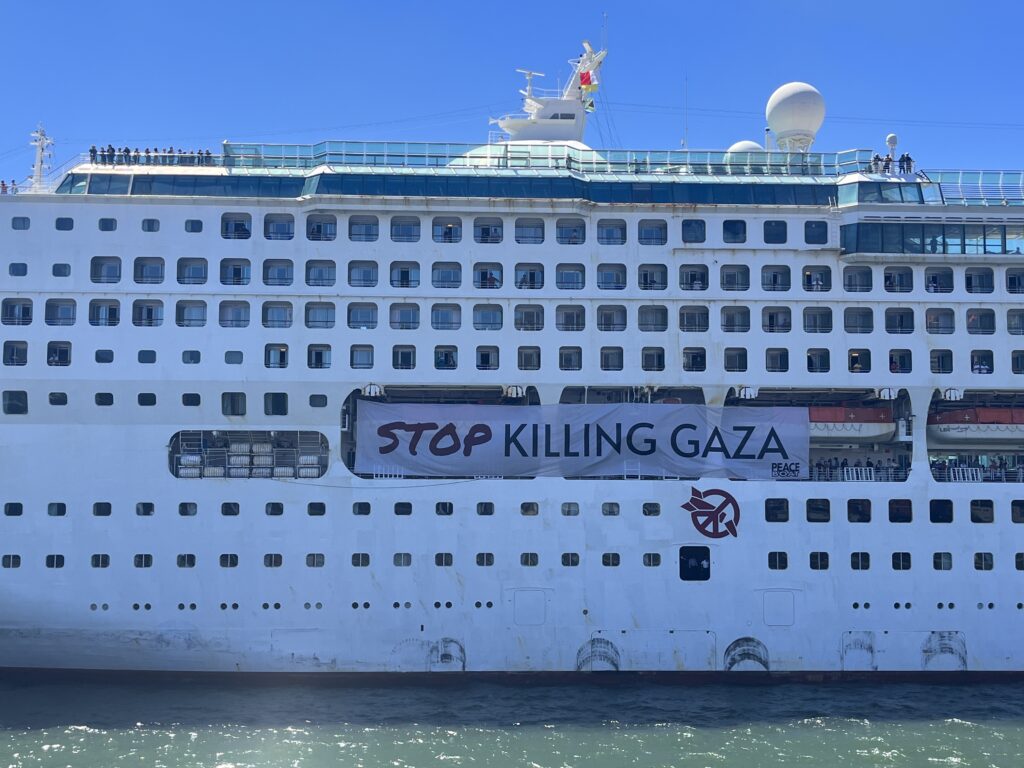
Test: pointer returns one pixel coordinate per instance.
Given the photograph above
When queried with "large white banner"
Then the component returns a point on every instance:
(581, 441)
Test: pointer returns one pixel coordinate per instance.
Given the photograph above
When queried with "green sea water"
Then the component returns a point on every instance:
(229, 723)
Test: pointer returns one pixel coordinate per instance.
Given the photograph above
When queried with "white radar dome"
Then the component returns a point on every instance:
(746, 146)
(795, 112)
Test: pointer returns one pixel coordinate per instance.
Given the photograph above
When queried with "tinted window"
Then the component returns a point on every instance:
(815, 232)
(734, 231)
(694, 231)
(694, 563)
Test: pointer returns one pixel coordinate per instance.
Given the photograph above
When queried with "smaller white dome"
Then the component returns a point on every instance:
(745, 146)
(890, 140)
(795, 109)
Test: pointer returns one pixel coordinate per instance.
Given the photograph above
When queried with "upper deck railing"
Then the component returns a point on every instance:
(541, 156)
(980, 187)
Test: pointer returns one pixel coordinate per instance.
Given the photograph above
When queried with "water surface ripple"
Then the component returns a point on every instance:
(226, 723)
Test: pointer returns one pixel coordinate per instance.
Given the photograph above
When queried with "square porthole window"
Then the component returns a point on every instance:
(318, 401)
(188, 509)
(20, 222)
(57, 509)
(274, 508)
(147, 398)
(58, 398)
(193, 226)
(776, 510)
(485, 508)
(61, 270)
(232, 403)
(191, 399)
(233, 357)
(64, 224)
(101, 509)
(147, 356)
(275, 404)
(104, 398)
(15, 402)
(151, 225)
(191, 356)
(361, 508)
(316, 509)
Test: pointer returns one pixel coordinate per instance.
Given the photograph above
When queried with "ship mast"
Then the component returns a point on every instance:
(42, 142)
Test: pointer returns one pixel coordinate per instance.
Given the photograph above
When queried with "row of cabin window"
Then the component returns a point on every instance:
(776, 510)
(901, 561)
(487, 358)
(448, 229)
(16, 402)
(319, 508)
(358, 560)
(149, 270)
(531, 276)
(978, 321)
(66, 224)
(777, 560)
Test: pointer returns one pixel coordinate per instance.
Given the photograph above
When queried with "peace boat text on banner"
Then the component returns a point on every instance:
(658, 440)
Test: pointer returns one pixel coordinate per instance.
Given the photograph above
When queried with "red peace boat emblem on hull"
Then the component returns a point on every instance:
(714, 512)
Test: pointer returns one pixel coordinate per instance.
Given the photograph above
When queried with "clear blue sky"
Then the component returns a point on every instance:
(943, 75)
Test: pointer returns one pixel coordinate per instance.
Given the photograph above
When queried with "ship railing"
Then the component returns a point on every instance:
(978, 475)
(858, 474)
(494, 155)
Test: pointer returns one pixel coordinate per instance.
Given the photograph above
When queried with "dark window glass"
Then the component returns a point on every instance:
(775, 232)
(694, 231)
(15, 402)
(778, 561)
(900, 511)
(734, 231)
(819, 561)
(776, 510)
(816, 232)
(940, 511)
(858, 510)
(982, 511)
(901, 561)
(694, 563)
(818, 511)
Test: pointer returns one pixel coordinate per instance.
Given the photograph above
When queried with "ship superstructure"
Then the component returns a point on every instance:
(261, 409)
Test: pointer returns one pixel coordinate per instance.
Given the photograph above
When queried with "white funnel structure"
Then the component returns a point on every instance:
(795, 112)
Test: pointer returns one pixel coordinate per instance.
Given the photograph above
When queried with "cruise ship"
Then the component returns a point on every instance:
(518, 406)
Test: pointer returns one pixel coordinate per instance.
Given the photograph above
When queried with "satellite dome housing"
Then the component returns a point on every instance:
(795, 112)
(746, 146)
